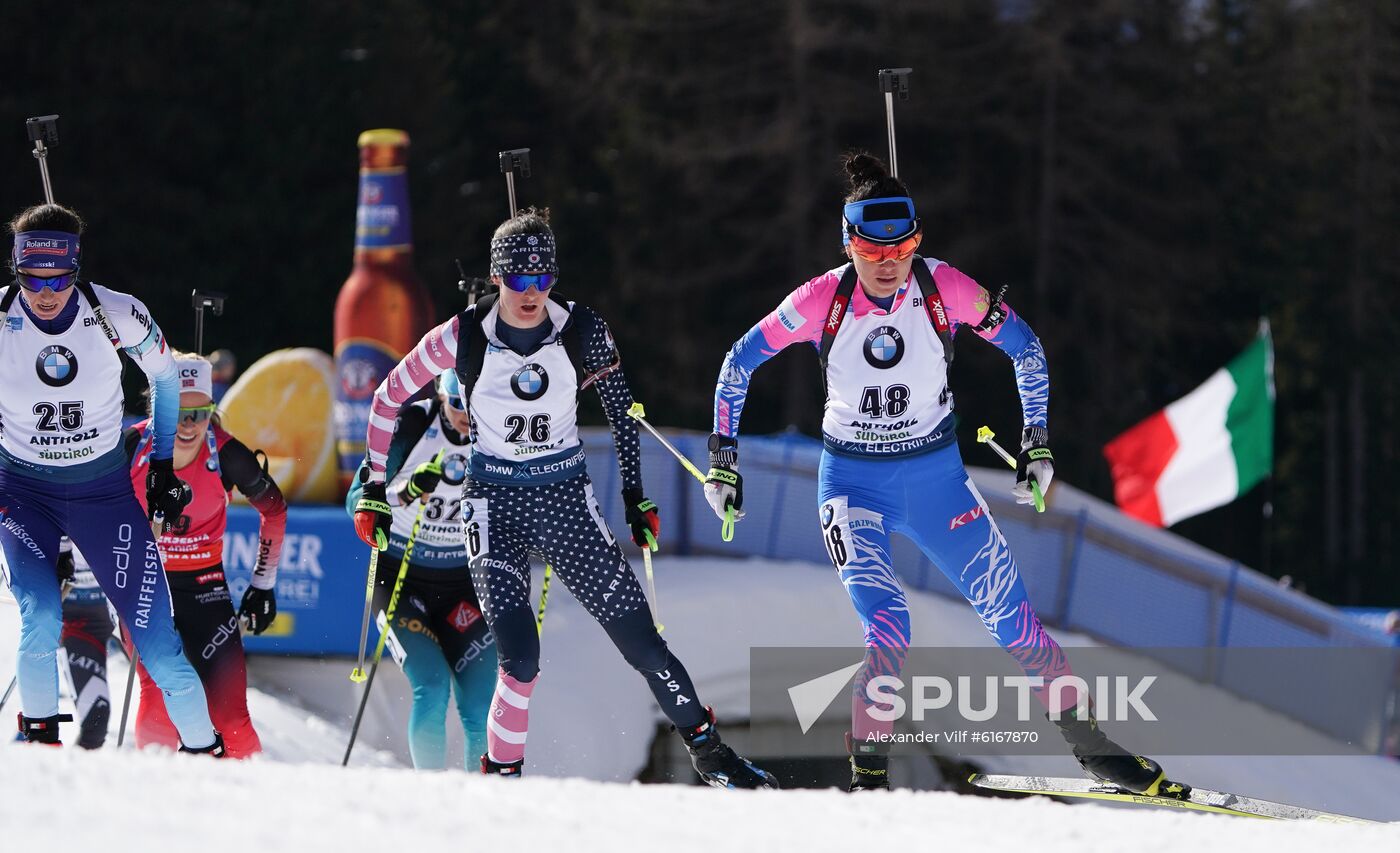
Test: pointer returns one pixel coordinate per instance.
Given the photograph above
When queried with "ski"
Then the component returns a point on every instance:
(1199, 799)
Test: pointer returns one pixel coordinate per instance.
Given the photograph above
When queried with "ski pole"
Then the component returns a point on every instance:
(639, 412)
(388, 621)
(986, 436)
(516, 159)
(43, 129)
(133, 660)
(544, 599)
(651, 581)
(357, 674)
(892, 81)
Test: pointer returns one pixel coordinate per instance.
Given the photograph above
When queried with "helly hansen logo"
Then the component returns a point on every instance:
(966, 518)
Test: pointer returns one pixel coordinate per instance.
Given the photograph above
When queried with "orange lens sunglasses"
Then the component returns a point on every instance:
(875, 252)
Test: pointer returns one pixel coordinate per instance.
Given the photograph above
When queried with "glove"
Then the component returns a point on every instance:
(641, 517)
(166, 494)
(373, 516)
(425, 479)
(1035, 464)
(66, 566)
(258, 609)
(723, 486)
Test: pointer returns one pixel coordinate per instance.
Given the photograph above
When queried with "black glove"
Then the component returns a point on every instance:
(258, 609)
(1034, 464)
(66, 567)
(724, 487)
(166, 494)
(641, 517)
(425, 479)
(373, 516)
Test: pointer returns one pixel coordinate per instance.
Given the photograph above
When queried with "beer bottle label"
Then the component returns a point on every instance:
(361, 364)
(382, 217)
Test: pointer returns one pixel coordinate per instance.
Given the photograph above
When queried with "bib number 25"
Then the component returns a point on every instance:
(54, 417)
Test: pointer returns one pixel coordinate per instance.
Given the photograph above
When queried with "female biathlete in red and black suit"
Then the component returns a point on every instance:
(212, 462)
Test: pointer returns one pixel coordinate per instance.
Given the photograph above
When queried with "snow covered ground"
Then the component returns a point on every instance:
(592, 721)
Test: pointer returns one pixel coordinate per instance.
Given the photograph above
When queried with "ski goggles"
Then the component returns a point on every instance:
(880, 220)
(521, 282)
(876, 253)
(57, 282)
(196, 414)
(451, 389)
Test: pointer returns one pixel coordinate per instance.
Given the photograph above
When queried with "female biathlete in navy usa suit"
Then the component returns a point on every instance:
(63, 467)
(521, 358)
(891, 462)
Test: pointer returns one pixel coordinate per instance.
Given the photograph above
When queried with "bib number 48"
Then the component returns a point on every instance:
(889, 402)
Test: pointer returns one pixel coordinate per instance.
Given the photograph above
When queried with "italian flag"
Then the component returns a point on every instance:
(1204, 450)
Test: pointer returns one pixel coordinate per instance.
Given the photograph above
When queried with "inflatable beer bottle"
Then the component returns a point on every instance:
(382, 309)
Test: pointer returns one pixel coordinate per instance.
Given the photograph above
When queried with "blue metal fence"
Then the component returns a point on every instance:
(1087, 567)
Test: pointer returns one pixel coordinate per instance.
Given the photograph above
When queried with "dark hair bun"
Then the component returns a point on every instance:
(540, 213)
(863, 168)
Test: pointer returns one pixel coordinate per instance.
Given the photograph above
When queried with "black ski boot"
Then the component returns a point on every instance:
(719, 765)
(42, 729)
(870, 766)
(1106, 760)
(492, 768)
(215, 749)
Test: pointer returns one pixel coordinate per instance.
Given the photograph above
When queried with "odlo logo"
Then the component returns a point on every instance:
(56, 365)
(530, 382)
(884, 347)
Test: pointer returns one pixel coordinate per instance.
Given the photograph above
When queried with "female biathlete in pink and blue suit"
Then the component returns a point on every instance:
(883, 326)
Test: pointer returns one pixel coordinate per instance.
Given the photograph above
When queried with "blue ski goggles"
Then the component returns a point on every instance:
(451, 388)
(880, 220)
(521, 282)
(57, 283)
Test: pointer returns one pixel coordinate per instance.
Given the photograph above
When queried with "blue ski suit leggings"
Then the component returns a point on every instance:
(447, 651)
(930, 499)
(105, 520)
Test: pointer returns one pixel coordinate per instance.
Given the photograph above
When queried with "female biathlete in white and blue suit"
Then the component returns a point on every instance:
(883, 326)
(63, 468)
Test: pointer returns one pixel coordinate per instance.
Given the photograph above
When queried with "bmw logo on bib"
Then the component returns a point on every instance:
(56, 365)
(468, 510)
(884, 347)
(454, 469)
(530, 382)
(828, 514)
